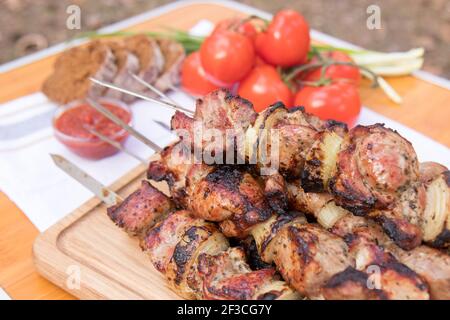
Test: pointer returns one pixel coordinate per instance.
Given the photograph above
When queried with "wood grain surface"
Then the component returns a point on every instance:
(425, 109)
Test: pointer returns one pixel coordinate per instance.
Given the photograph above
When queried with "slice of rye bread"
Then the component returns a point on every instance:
(151, 60)
(126, 63)
(174, 55)
(70, 78)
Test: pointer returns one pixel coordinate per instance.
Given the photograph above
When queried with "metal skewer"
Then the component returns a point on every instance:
(103, 193)
(115, 144)
(122, 124)
(176, 89)
(154, 89)
(141, 96)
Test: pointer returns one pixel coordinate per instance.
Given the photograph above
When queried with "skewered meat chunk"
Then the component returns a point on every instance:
(350, 284)
(141, 210)
(218, 111)
(377, 170)
(291, 133)
(179, 239)
(374, 165)
(174, 245)
(227, 276)
(430, 264)
(173, 166)
(229, 195)
(308, 256)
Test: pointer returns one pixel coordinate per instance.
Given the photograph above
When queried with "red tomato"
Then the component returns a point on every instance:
(236, 24)
(193, 77)
(336, 72)
(339, 101)
(286, 41)
(263, 86)
(227, 57)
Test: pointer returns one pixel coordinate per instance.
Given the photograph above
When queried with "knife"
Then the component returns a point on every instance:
(105, 194)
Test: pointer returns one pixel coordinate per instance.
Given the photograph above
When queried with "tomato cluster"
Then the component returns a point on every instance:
(271, 61)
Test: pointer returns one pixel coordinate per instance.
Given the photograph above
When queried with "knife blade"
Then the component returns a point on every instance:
(122, 124)
(105, 194)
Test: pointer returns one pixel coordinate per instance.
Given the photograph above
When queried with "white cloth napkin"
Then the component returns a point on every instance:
(4, 295)
(41, 190)
(45, 194)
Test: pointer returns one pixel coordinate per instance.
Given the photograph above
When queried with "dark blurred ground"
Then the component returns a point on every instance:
(28, 25)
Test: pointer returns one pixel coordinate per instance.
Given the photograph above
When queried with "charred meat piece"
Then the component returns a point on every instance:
(221, 116)
(251, 252)
(374, 166)
(141, 210)
(430, 264)
(308, 256)
(351, 284)
(173, 166)
(377, 171)
(275, 191)
(265, 234)
(227, 277)
(229, 195)
(394, 280)
(279, 139)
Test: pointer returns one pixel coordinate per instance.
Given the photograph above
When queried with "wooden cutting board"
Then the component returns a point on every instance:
(87, 255)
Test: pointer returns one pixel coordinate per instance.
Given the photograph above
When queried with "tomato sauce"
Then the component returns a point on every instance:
(73, 124)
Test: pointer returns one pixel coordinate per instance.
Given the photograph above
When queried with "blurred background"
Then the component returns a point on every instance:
(27, 26)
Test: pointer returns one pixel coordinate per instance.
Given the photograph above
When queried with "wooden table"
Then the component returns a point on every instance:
(425, 109)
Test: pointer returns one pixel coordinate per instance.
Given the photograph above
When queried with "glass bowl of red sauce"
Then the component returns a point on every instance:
(72, 125)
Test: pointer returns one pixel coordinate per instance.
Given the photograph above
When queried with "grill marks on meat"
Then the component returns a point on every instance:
(176, 243)
(307, 256)
(374, 165)
(365, 241)
(173, 167)
(141, 210)
(231, 196)
(377, 170)
(227, 277)
(219, 111)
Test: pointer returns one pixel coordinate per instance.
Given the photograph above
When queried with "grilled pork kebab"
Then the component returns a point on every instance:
(197, 261)
(193, 254)
(371, 171)
(232, 182)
